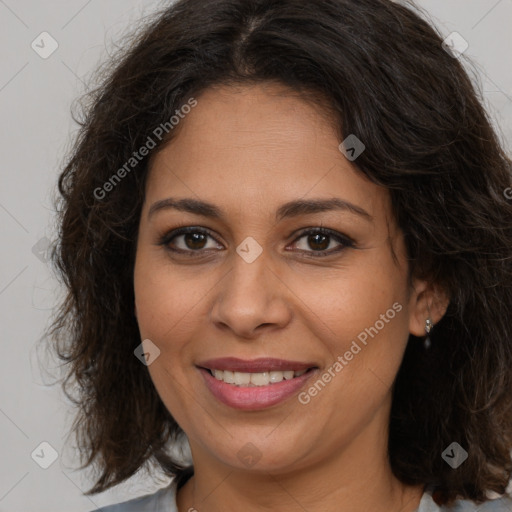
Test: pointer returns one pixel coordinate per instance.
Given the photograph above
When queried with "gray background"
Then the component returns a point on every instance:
(35, 100)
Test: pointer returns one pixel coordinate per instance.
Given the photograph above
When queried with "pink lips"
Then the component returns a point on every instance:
(257, 397)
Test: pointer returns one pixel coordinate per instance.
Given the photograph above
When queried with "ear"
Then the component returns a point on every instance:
(427, 300)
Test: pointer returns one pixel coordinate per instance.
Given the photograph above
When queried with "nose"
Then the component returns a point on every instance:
(251, 299)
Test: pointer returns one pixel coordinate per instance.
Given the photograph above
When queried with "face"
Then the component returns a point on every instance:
(272, 274)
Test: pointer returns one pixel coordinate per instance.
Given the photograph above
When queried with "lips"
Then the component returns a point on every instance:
(260, 365)
(246, 395)
(257, 397)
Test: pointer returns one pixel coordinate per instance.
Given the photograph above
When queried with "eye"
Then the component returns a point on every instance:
(321, 239)
(188, 240)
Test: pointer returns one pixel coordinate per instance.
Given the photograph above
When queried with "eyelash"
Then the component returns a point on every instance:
(346, 242)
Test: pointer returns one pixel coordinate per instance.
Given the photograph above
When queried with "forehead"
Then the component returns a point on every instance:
(258, 145)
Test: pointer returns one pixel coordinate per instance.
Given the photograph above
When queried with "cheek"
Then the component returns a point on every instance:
(355, 298)
(361, 315)
(166, 300)
(165, 315)
(364, 328)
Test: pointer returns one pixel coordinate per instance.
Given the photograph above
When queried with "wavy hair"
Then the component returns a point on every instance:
(383, 71)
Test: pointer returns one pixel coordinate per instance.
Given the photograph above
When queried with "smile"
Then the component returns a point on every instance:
(255, 384)
(255, 379)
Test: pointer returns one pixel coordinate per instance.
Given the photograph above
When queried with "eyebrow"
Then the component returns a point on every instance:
(287, 210)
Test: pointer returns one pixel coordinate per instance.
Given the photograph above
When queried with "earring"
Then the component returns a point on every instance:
(428, 328)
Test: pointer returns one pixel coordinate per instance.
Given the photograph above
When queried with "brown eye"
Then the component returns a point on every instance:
(189, 240)
(195, 240)
(322, 242)
(319, 242)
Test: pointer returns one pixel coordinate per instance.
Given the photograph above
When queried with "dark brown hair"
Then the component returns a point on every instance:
(388, 80)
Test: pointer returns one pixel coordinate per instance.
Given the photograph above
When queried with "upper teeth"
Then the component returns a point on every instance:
(255, 379)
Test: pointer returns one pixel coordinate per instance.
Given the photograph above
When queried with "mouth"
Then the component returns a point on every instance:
(255, 384)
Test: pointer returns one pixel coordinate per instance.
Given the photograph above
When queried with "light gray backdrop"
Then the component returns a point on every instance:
(36, 91)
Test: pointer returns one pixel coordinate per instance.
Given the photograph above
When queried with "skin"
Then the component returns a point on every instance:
(248, 150)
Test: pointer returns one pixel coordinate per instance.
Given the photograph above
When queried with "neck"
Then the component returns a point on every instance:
(354, 478)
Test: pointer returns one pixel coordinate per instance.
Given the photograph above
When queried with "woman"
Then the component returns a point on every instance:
(285, 234)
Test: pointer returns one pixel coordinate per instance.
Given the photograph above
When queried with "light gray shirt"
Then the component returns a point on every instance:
(164, 500)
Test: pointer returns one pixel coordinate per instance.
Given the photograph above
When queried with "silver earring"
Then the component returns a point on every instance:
(428, 328)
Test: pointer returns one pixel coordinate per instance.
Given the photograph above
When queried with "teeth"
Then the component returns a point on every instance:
(241, 379)
(228, 377)
(255, 379)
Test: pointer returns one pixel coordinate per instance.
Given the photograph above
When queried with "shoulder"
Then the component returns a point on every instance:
(427, 504)
(163, 500)
(503, 504)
